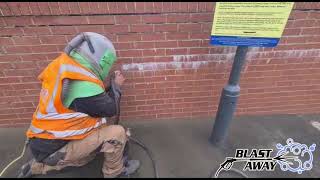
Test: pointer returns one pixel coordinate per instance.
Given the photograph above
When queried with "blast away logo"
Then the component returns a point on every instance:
(288, 157)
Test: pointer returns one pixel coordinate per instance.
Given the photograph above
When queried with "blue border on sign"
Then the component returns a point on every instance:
(244, 41)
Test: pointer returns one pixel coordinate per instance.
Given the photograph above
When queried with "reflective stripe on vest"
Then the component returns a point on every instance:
(51, 110)
(53, 116)
(67, 133)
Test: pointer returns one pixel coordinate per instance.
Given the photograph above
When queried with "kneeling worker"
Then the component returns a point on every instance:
(69, 126)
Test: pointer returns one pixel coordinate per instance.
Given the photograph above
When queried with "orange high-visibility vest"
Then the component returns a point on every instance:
(52, 120)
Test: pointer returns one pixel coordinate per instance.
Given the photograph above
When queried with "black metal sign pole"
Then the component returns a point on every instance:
(228, 99)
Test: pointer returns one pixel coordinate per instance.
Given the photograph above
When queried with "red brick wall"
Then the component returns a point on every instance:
(164, 51)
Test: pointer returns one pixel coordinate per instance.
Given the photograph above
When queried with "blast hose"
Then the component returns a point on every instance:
(135, 140)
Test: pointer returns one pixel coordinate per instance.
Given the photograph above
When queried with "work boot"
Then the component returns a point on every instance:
(30, 168)
(130, 167)
(25, 170)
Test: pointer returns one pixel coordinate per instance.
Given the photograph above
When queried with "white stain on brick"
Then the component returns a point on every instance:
(154, 66)
(203, 57)
(181, 58)
(197, 60)
(283, 54)
(143, 66)
(181, 62)
(316, 124)
(228, 50)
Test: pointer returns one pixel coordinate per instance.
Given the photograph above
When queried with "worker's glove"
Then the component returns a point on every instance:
(114, 87)
(116, 93)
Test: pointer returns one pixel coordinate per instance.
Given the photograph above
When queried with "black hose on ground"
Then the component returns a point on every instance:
(136, 141)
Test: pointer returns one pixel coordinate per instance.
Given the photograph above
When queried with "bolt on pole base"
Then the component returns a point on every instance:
(228, 99)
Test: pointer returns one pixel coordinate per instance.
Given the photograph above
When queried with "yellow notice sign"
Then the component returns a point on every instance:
(240, 20)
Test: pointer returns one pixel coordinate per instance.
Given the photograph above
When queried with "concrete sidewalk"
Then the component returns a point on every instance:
(181, 147)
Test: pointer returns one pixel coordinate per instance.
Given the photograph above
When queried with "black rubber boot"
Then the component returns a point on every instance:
(25, 170)
(131, 166)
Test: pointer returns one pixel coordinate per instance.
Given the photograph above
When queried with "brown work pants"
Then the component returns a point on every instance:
(107, 139)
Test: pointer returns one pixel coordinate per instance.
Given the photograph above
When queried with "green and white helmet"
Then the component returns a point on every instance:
(94, 51)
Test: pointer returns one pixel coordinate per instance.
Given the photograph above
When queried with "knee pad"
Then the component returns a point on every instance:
(53, 159)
